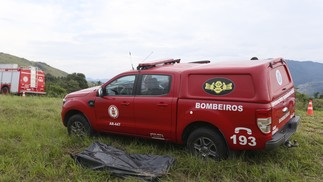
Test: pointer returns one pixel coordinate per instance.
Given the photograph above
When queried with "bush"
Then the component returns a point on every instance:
(54, 90)
(302, 101)
(60, 86)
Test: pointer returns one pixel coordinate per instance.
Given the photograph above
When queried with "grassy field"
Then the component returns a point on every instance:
(34, 146)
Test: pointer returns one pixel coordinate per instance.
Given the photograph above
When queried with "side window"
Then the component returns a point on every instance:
(155, 84)
(121, 86)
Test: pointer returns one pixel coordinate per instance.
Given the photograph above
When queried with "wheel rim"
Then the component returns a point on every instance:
(205, 147)
(78, 129)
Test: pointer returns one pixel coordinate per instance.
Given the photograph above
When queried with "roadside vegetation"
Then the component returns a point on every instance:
(34, 146)
(302, 101)
(60, 86)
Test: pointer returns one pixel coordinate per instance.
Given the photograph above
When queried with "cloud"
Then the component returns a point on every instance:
(95, 37)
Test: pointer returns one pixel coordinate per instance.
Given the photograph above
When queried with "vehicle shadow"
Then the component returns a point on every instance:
(138, 145)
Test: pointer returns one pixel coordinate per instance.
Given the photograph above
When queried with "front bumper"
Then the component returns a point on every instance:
(283, 134)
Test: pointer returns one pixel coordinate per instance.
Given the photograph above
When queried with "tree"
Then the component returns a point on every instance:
(58, 86)
(49, 78)
(54, 90)
(80, 78)
(317, 95)
(72, 86)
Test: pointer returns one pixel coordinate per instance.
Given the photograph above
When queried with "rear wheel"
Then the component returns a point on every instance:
(78, 126)
(5, 90)
(207, 143)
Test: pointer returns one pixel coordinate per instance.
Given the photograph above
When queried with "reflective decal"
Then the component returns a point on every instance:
(284, 97)
(279, 77)
(239, 138)
(218, 86)
(284, 117)
(275, 129)
(113, 111)
(219, 107)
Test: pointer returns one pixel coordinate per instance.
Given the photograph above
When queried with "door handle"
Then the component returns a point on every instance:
(162, 104)
(125, 103)
(285, 110)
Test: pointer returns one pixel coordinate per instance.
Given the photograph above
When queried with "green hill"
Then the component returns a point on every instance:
(305, 71)
(10, 59)
(310, 88)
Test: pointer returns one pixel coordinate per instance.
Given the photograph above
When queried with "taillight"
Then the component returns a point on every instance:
(264, 120)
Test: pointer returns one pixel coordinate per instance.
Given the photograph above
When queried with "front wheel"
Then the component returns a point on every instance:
(78, 125)
(207, 143)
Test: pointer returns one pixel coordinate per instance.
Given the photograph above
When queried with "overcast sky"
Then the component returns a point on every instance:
(95, 37)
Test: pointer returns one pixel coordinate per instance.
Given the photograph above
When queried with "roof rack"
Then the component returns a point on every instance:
(201, 62)
(144, 66)
(275, 61)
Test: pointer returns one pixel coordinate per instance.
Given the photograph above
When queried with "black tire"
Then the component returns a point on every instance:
(207, 143)
(5, 90)
(78, 125)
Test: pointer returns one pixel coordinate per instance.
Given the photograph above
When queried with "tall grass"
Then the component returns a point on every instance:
(34, 146)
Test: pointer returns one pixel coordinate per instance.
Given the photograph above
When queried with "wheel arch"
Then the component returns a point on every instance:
(200, 124)
(5, 86)
(71, 113)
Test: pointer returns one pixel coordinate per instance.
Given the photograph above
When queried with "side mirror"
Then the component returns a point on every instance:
(100, 92)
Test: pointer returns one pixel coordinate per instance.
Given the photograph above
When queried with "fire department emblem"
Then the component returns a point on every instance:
(25, 79)
(113, 111)
(218, 86)
(279, 77)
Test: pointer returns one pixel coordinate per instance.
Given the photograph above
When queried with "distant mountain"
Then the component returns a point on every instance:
(307, 76)
(311, 87)
(305, 71)
(10, 59)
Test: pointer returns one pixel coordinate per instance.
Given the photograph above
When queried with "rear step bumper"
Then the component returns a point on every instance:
(284, 134)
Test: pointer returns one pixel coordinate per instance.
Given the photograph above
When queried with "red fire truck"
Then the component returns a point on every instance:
(20, 80)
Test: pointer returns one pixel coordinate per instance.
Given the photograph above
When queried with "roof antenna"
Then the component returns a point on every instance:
(131, 61)
(148, 55)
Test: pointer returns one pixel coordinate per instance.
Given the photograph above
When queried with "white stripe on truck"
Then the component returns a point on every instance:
(282, 98)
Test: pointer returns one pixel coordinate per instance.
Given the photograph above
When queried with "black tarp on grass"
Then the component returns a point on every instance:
(102, 156)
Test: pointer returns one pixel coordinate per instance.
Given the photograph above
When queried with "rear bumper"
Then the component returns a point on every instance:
(283, 134)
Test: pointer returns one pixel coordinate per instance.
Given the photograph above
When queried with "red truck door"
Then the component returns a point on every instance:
(114, 111)
(154, 107)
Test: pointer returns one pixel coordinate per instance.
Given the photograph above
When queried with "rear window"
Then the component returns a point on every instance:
(155, 85)
(279, 79)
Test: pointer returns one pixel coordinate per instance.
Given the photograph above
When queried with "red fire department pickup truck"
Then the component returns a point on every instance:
(210, 107)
